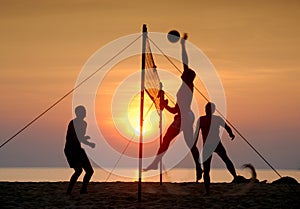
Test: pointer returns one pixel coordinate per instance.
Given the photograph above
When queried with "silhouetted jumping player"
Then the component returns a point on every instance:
(209, 126)
(76, 155)
(184, 118)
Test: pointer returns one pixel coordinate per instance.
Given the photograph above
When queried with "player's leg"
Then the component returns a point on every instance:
(196, 157)
(73, 179)
(220, 150)
(88, 172)
(189, 139)
(206, 176)
(171, 133)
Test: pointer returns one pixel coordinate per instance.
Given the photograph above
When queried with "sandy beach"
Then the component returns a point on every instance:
(168, 195)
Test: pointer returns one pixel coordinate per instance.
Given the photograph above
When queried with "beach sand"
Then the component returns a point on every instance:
(169, 195)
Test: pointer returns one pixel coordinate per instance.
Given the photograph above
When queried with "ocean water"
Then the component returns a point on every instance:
(130, 175)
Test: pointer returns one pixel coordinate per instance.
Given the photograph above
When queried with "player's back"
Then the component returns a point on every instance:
(210, 126)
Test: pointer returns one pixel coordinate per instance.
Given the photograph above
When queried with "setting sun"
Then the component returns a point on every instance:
(151, 119)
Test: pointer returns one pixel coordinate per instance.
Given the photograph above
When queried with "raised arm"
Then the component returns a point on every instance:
(185, 59)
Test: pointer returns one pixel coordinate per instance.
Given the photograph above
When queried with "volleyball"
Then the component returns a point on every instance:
(173, 36)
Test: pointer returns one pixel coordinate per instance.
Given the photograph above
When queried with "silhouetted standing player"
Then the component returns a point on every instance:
(184, 117)
(76, 156)
(209, 126)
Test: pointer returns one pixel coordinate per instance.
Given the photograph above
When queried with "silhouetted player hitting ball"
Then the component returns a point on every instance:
(209, 125)
(75, 155)
(184, 117)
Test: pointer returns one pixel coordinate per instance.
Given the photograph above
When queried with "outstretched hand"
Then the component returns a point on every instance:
(185, 36)
(92, 145)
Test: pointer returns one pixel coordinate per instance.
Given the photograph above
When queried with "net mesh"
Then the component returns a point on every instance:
(152, 81)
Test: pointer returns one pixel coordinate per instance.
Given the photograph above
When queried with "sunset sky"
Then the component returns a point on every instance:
(254, 46)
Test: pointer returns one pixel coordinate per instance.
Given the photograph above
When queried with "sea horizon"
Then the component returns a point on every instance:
(176, 175)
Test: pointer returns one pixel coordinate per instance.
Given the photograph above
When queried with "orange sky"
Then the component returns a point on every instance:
(254, 46)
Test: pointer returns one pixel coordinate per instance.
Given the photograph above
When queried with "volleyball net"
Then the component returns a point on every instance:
(152, 81)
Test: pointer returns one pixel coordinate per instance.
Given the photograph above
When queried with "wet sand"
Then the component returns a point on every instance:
(169, 195)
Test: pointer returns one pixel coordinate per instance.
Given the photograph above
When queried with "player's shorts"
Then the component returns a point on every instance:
(77, 159)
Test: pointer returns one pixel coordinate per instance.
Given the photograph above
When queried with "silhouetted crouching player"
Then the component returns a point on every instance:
(209, 126)
(184, 118)
(75, 155)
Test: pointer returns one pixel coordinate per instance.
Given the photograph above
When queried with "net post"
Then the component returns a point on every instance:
(142, 112)
(161, 97)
